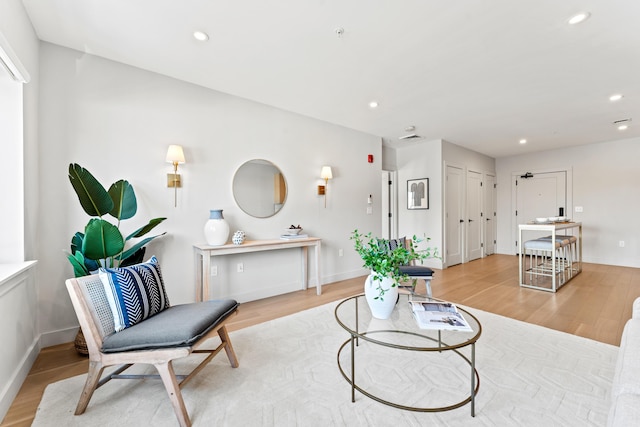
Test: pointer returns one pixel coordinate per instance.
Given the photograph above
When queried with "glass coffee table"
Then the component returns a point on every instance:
(379, 347)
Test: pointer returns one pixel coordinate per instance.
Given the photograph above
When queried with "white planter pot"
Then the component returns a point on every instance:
(380, 306)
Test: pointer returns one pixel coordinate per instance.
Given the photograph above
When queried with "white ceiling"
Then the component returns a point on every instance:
(479, 73)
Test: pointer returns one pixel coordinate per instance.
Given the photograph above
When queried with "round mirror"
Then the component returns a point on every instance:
(259, 188)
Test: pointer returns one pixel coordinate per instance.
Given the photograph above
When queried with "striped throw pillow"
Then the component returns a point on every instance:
(134, 293)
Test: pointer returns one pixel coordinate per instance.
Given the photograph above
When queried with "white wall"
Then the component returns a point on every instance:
(605, 183)
(426, 159)
(415, 161)
(471, 160)
(117, 121)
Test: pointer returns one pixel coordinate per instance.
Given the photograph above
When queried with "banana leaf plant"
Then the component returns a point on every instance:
(102, 243)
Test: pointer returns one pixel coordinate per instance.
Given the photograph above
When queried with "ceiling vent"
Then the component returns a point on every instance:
(410, 136)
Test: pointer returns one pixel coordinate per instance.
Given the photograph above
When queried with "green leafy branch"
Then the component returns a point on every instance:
(384, 262)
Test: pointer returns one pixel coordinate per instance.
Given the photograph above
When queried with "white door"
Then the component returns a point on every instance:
(490, 228)
(539, 195)
(474, 215)
(454, 216)
(388, 205)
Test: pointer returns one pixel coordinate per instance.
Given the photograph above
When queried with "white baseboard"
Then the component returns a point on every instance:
(346, 276)
(60, 336)
(11, 389)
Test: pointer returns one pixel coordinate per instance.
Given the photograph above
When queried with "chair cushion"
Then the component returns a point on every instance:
(563, 240)
(416, 270)
(541, 245)
(177, 326)
(134, 293)
(570, 238)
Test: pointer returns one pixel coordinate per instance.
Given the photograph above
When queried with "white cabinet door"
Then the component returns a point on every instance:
(474, 215)
(489, 215)
(454, 215)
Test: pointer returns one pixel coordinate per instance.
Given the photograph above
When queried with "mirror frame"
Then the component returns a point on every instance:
(250, 174)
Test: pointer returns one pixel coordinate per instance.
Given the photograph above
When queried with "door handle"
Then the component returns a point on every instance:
(470, 220)
(461, 221)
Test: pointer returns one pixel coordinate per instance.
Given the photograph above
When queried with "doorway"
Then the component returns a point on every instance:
(474, 215)
(454, 215)
(489, 211)
(389, 206)
(539, 195)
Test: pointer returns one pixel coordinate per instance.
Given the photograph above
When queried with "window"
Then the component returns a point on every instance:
(12, 76)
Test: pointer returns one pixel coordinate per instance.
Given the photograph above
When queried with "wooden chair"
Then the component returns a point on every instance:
(174, 333)
(413, 271)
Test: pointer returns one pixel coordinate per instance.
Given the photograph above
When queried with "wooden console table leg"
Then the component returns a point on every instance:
(198, 271)
(317, 261)
(305, 280)
(206, 272)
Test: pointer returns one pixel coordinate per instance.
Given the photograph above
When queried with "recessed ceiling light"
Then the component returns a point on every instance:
(200, 36)
(623, 127)
(523, 141)
(373, 104)
(579, 17)
(616, 97)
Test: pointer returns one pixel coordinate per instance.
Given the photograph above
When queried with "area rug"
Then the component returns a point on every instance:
(288, 376)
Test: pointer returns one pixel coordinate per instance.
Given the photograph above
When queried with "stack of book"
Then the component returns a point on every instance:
(293, 236)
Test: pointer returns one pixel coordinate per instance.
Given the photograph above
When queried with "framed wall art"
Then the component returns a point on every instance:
(418, 193)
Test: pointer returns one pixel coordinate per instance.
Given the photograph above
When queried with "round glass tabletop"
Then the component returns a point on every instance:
(401, 329)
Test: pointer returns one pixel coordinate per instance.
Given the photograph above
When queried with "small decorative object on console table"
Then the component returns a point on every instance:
(293, 232)
(384, 261)
(238, 237)
(216, 229)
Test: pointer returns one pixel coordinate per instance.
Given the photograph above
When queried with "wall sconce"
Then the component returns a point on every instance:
(325, 174)
(175, 155)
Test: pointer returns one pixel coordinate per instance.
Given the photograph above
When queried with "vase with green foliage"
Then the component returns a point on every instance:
(102, 243)
(384, 263)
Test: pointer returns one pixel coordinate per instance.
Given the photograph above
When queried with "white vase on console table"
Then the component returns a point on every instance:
(216, 229)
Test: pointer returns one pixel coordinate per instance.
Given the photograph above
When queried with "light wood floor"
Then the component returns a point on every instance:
(595, 304)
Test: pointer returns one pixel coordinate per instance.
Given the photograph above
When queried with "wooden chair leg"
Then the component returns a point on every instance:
(93, 377)
(168, 376)
(231, 354)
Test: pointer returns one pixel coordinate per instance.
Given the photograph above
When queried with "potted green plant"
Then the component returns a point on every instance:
(384, 263)
(102, 243)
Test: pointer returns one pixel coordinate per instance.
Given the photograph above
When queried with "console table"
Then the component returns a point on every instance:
(204, 253)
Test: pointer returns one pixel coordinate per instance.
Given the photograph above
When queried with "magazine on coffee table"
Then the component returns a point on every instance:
(439, 315)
